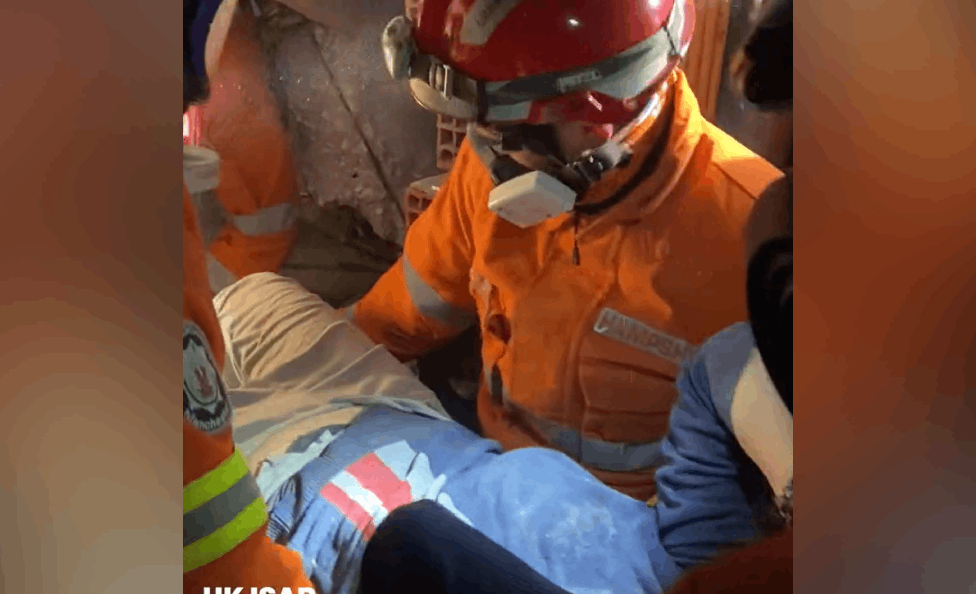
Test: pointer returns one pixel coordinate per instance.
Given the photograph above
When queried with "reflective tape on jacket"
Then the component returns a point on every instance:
(220, 277)
(221, 510)
(430, 304)
(595, 453)
(609, 456)
(210, 215)
(349, 313)
(267, 220)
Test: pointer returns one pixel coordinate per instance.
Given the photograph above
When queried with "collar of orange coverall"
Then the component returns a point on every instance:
(683, 139)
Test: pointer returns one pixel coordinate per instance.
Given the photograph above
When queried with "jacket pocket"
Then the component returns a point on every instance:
(628, 393)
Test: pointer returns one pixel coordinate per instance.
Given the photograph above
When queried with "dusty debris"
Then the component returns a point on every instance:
(337, 254)
(359, 140)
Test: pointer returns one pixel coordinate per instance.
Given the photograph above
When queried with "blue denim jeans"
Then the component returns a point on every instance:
(422, 547)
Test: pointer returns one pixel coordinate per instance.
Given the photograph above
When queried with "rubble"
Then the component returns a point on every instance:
(358, 137)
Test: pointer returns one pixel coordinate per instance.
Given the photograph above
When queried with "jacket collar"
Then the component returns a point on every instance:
(684, 139)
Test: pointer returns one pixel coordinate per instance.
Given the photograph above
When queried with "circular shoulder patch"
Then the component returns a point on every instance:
(205, 403)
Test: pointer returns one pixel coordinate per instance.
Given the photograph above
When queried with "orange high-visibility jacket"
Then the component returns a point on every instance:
(582, 357)
(224, 518)
(258, 178)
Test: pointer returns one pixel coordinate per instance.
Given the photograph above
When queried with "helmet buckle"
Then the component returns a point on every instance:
(442, 79)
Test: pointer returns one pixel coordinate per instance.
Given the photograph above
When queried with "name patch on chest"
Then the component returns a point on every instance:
(624, 329)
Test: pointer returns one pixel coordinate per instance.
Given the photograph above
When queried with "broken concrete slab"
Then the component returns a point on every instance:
(340, 14)
(336, 258)
(359, 138)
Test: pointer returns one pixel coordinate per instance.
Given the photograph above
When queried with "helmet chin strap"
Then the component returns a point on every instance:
(526, 197)
(541, 140)
(578, 175)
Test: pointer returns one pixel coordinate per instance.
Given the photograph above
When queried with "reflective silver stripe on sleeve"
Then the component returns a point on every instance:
(220, 277)
(621, 457)
(430, 304)
(219, 511)
(201, 169)
(272, 219)
(210, 214)
(499, 395)
(602, 455)
(588, 451)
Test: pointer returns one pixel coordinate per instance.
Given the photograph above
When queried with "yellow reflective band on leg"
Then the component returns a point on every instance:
(226, 538)
(215, 482)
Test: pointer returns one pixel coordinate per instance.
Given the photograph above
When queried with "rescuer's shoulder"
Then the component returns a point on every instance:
(740, 165)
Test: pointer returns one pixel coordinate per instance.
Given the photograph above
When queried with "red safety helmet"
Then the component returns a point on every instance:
(537, 61)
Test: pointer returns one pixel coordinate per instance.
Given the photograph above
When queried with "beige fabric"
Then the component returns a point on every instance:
(762, 424)
(219, 28)
(288, 353)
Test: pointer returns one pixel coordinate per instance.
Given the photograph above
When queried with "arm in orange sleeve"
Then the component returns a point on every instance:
(218, 551)
(423, 301)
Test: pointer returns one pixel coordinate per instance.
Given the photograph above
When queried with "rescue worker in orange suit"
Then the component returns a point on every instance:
(425, 547)
(224, 539)
(250, 223)
(591, 225)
